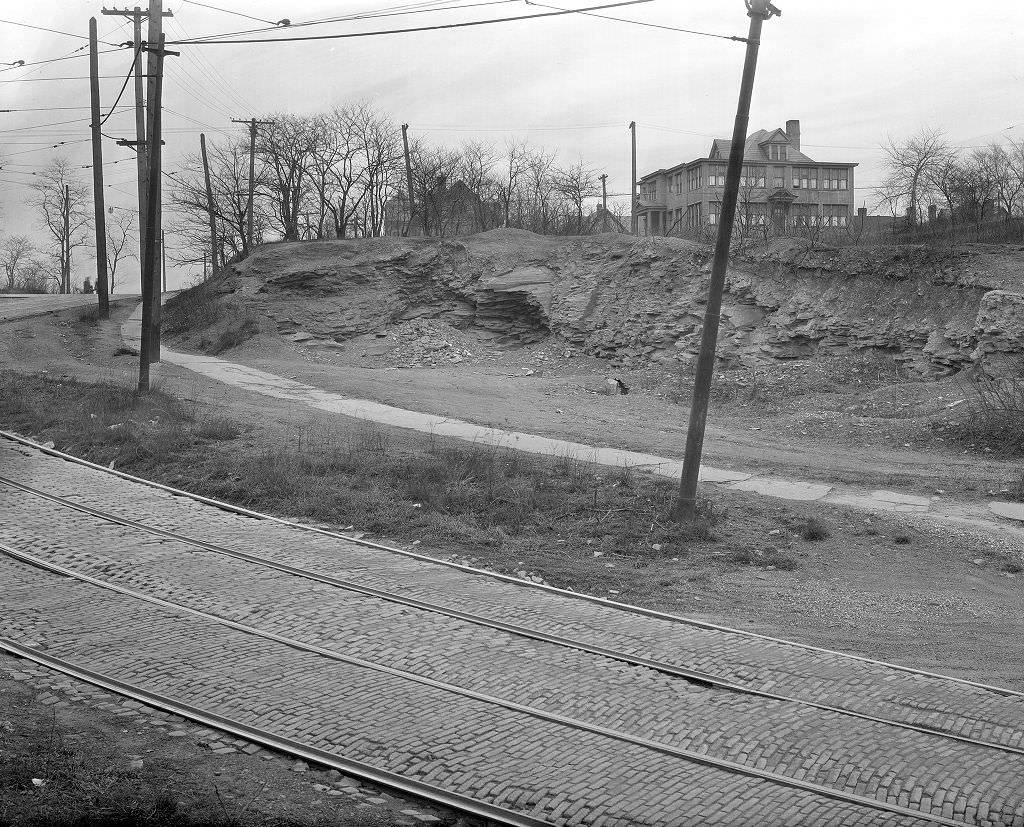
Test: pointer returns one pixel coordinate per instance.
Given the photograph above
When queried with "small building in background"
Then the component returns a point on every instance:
(780, 187)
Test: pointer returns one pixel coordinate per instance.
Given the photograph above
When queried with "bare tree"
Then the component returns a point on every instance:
(576, 184)
(513, 174)
(64, 203)
(16, 252)
(121, 243)
(229, 180)
(285, 147)
(910, 170)
(997, 166)
(383, 156)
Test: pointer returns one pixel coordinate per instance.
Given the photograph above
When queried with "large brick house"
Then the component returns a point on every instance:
(779, 184)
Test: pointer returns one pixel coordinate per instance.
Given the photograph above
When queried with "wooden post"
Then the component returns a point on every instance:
(154, 215)
(150, 273)
(97, 172)
(209, 207)
(408, 177)
(632, 190)
(685, 507)
(604, 203)
(65, 276)
(141, 149)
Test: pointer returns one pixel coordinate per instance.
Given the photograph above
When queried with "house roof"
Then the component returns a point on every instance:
(754, 151)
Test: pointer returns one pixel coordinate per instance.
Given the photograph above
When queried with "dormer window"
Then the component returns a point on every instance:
(777, 152)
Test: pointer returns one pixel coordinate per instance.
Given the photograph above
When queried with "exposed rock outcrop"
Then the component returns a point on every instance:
(641, 300)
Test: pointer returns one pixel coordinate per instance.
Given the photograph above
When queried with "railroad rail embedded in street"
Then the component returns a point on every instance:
(845, 739)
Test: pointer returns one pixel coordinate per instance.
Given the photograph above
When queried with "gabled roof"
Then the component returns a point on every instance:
(753, 149)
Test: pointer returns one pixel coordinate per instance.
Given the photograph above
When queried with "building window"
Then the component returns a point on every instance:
(806, 215)
(778, 177)
(694, 179)
(752, 177)
(777, 152)
(717, 176)
(835, 215)
(714, 211)
(694, 217)
(835, 179)
(649, 191)
(755, 215)
(805, 178)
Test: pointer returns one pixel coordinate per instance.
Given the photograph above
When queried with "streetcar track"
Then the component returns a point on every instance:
(549, 717)
(600, 601)
(699, 678)
(281, 743)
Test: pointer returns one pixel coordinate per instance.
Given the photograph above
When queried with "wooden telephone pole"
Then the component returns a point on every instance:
(408, 175)
(684, 508)
(252, 123)
(97, 172)
(632, 198)
(209, 207)
(604, 203)
(143, 149)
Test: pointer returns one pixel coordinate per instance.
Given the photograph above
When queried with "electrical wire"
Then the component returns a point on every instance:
(228, 11)
(641, 23)
(128, 77)
(54, 123)
(397, 11)
(75, 77)
(231, 94)
(52, 31)
(49, 146)
(435, 27)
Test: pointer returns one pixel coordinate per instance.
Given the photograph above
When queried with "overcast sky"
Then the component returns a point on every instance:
(852, 73)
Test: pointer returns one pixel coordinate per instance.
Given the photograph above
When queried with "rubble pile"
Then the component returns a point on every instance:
(424, 343)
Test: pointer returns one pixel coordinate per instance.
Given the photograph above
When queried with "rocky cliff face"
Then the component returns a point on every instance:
(640, 300)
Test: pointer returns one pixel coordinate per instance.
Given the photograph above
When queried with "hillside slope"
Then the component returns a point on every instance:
(637, 301)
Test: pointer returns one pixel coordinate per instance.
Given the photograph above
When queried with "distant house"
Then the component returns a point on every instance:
(603, 221)
(779, 184)
(451, 211)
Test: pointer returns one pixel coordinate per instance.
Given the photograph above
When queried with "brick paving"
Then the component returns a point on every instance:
(457, 743)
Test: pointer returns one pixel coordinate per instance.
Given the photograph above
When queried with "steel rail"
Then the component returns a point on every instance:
(550, 717)
(694, 676)
(601, 601)
(281, 743)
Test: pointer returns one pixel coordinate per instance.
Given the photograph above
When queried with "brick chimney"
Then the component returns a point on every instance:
(793, 133)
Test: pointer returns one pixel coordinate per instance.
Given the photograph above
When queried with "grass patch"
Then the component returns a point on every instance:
(812, 529)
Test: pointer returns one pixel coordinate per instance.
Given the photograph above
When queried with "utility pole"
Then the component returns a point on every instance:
(97, 172)
(604, 203)
(155, 15)
(209, 208)
(163, 259)
(154, 67)
(408, 175)
(150, 271)
(65, 276)
(684, 509)
(252, 123)
(632, 198)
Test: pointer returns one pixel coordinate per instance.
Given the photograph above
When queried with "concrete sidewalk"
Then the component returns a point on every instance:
(268, 384)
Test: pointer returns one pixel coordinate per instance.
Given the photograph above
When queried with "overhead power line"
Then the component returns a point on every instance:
(238, 14)
(641, 23)
(397, 11)
(436, 27)
(52, 31)
(128, 77)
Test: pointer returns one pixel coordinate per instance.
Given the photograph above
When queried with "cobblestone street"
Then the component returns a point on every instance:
(557, 707)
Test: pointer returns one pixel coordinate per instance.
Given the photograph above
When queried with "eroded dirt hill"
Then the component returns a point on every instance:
(641, 300)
